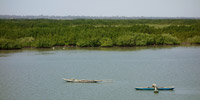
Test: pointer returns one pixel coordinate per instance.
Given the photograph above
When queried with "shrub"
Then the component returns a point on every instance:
(194, 40)
(26, 41)
(166, 39)
(126, 40)
(106, 42)
(83, 43)
(140, 39)
(9, 44)
(169, 39)
(44, 43)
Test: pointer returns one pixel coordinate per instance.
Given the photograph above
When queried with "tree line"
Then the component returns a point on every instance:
(43, 33)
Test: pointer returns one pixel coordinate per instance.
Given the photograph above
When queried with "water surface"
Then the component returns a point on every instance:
(35, 74)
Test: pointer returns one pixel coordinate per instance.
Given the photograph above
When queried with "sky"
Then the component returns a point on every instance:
(129, 8)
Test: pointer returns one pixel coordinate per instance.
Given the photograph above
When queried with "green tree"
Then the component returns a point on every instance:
(166, 39)
(194, 40)
(44, 43)
(83, 43)
(126, 40)
(26, 41)
(9, 44)
(140, 39)
(106, 42)
(170, 40)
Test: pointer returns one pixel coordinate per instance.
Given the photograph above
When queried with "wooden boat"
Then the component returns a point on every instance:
(81, 81)
(153, 88)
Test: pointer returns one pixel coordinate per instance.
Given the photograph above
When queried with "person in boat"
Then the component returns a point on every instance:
(154, 85)
(156, 89)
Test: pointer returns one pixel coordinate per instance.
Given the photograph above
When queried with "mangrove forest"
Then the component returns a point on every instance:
(45, 33)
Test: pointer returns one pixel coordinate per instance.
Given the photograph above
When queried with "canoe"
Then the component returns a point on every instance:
(152, 88)
(82, 81)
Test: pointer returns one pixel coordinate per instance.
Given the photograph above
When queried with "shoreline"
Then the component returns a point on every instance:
(110, 47)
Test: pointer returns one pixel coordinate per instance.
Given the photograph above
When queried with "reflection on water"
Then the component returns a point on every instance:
(90, 48)
(44, 53)
(2, 55)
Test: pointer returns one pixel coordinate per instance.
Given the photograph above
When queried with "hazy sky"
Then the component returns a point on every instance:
(154, 8)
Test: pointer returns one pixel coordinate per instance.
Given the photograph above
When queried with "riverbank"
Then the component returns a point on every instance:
(13, 45)
(118, 48)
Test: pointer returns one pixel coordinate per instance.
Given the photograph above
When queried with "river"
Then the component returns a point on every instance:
(36, 74)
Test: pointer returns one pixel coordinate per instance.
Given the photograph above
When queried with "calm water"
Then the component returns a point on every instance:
(36, 74)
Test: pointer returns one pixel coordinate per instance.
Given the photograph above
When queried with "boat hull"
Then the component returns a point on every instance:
(151, 88)
(82, 81)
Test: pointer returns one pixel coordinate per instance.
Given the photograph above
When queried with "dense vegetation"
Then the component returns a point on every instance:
(44, 33)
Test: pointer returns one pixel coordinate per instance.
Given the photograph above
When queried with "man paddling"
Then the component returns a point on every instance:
(156, 89)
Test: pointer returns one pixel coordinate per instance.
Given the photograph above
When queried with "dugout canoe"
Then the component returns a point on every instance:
(153, 88)
(82, 81)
